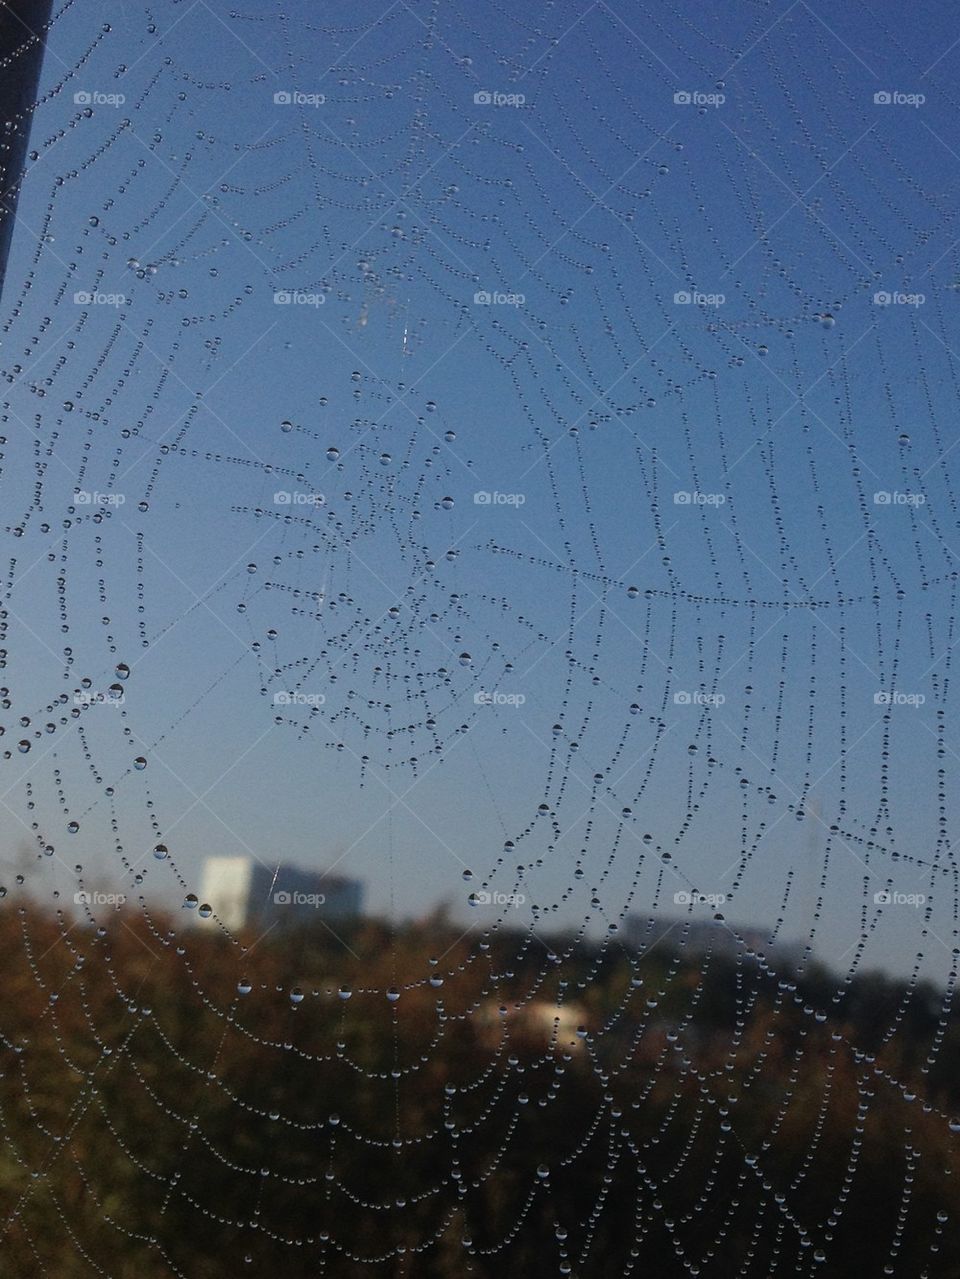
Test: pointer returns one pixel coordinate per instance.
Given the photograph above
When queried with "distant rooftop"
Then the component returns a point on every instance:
(243, 891)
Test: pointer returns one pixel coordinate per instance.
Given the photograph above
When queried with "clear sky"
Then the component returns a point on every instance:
(680, 308)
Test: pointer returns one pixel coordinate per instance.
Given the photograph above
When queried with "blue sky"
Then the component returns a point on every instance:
(589, 389)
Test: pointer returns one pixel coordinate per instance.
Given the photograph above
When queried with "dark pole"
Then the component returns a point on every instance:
(23, 29)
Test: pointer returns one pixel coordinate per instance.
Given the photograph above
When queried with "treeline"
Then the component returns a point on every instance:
(175, 1102)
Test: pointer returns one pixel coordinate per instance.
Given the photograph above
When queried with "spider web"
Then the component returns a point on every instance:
(506, 458)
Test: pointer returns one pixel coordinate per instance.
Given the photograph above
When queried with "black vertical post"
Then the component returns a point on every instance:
(23, 30)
